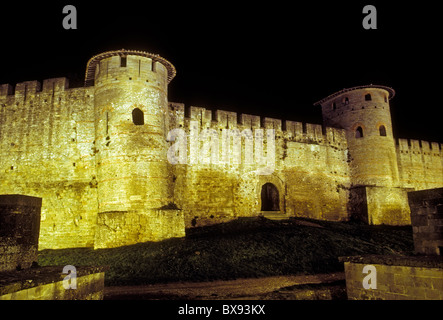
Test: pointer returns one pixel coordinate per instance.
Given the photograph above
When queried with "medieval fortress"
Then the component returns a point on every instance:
(111, 164)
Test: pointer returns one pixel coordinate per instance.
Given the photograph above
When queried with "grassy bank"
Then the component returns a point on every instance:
(249, 247)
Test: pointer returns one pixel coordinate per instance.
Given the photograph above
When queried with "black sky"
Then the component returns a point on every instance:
(267, 58)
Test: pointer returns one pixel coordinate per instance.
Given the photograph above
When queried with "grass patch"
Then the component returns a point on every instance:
(244, 248)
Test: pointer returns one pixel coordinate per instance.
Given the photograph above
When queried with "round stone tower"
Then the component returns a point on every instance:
(365, 115)
(131, 121)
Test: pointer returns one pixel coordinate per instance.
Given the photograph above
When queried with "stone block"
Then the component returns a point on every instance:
(398, 278)
(419, 220)
(426, 220)
(19, 231)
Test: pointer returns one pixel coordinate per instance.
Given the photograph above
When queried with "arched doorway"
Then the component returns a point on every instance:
(270, 199)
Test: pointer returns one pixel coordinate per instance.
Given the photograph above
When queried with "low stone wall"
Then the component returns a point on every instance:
(395, 278)
(19, 231)
(427, 220)
(46, 283)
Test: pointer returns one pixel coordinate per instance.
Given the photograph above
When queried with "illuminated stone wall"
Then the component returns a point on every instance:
(308, 159)
(119, 228)
(395, 278)
(373, 157)
(46, 147)
(385, 167)
(47, 283)
(133, 174)
(105, 179)
(420, 164)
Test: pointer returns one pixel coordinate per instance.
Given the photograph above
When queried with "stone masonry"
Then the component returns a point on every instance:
(427, 220)
(98, 156)
(20, 276)
(396, 278)
(19, 231)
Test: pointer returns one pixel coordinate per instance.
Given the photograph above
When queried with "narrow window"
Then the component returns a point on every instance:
(334, 106)
(123, 62)
(107, 123)
(346, 102)
(153, 66)
(138, 117)
(359, 132)
(368, 97)
(382, 130)
(386, 98)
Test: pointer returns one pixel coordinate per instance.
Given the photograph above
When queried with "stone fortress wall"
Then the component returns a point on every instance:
(97, 156)
(313, 158)
(46, 146)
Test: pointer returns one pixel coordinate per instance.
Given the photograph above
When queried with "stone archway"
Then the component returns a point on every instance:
(270, 198)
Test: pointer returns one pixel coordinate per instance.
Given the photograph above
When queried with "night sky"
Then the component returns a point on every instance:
(270, 58)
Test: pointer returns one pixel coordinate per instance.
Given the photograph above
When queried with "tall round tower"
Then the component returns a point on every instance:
(365, 115)
(130, 113)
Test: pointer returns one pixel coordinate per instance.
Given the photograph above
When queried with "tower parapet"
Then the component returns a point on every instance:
(95, 65)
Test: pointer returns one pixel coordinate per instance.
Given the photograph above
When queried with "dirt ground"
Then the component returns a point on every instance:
(304, 287)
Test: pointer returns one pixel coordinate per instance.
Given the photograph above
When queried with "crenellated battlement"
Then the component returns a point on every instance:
(412, 146)
(181, 116)
(6, 90)
(420, 163)
(124, 60)
(31, 88)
